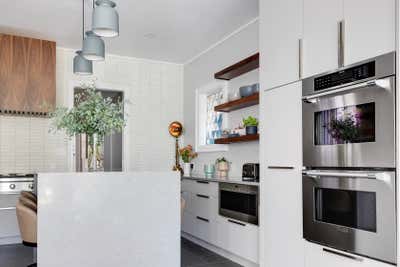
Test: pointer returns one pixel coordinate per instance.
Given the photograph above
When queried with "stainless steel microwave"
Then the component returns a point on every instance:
(349, 116)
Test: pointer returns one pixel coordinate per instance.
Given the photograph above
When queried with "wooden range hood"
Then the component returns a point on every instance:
(27, 75)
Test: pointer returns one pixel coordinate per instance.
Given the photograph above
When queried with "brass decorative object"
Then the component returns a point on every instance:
(175, 129)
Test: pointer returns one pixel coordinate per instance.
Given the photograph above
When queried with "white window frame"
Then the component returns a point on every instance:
(201, 115)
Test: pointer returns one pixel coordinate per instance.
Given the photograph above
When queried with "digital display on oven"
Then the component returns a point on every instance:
(349, 75)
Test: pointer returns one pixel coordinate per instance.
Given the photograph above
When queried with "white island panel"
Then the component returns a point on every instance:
(109, 219)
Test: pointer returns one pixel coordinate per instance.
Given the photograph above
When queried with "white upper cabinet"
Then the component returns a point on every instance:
(281, 126)
(369, 29)
(280, 32)
(320, 42)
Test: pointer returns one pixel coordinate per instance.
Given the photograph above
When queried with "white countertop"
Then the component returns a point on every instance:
(233, 180)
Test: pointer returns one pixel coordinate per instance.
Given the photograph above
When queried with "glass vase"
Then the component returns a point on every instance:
(95, 153)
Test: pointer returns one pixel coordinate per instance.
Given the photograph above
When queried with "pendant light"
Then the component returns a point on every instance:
(105, 21)
(93, 47)
(82, 66)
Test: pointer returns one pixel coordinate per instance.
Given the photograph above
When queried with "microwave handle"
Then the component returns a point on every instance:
(340, 174)
(310, 98)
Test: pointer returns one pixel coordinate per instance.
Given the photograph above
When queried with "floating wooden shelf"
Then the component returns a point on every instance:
(243, 102)
(238, 139)
(242, 67)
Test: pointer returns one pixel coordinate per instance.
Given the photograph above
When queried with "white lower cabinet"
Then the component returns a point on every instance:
(239, 238)
(317, 256)
(9, 230)
(201, 220)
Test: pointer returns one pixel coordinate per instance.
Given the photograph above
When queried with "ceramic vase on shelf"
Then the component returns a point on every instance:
(187, 169)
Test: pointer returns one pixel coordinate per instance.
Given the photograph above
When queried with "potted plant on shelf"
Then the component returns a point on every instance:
(187, 156)
(251, 125)
(222, 165)
(93, 117)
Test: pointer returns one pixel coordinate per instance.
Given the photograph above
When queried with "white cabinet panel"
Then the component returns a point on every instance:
(238, 238)
(321, 36)
(200, 187)
(281, 126)
(316, 256)
(187, 224)
(205, 229)
(280, 31)
(281, 181)
(8, 223)
(369, 29)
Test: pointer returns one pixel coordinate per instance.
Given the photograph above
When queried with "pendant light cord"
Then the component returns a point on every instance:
(83, 19)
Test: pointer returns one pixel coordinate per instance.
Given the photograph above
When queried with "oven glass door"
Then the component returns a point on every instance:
(239, 205)
(351, 213)
(352, 128)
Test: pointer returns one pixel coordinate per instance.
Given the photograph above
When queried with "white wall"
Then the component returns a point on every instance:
(201, 72)
(154, 90)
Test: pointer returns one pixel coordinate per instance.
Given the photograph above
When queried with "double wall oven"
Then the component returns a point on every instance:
(349, 177)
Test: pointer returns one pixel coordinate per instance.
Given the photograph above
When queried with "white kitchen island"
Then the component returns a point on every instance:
(109, 219)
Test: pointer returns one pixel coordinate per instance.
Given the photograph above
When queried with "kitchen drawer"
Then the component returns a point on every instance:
(200, 187)
(317, 256)
(7, 201)
(238, 238)
(204, 206)
(205, 229)
(8, 223)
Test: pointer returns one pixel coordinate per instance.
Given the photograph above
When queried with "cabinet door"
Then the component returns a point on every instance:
(281, 218)
(280, 31)
(281, 180)
(320, 43)
(369, 29)
(281, 128)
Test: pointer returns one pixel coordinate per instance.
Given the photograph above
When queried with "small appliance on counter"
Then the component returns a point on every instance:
(251, 172)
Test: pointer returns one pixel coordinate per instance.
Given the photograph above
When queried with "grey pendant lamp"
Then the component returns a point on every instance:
(82, 66)
(93, 47)
(105, 20)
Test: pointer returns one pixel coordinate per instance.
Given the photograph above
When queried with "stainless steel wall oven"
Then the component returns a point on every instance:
(349, 179)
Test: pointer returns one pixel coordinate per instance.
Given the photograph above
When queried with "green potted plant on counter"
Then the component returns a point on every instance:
(92, 118)
(251, 125)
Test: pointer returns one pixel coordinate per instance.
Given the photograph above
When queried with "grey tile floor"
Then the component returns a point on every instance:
(15, 256)
(192, 255)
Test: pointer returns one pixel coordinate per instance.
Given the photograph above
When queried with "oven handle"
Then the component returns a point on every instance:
(381, 176)
(340, 174)
(310, 98)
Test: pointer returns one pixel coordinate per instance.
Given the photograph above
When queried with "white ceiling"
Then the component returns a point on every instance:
(167, 30)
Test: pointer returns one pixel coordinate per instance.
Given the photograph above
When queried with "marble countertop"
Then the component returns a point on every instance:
(233, 180)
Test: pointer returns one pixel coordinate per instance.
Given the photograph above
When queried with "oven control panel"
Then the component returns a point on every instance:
(345, 76)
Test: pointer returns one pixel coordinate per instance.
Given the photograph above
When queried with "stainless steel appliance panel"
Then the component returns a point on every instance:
(240, 202)
(374, 232)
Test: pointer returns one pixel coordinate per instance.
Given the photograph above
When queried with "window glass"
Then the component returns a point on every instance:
(214, 119)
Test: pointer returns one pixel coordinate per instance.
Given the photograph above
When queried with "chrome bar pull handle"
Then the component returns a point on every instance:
(280, 167)
(337, 253)
(341, 43)
(300, 58)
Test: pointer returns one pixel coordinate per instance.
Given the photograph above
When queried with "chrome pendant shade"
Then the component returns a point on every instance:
(82, 66)
(105, 21)
(93, 47)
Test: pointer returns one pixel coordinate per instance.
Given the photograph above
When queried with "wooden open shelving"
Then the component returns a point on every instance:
(237, 69)
(243, 102)
(238, 139)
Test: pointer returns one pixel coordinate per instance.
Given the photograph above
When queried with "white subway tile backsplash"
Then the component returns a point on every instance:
(27, 146)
